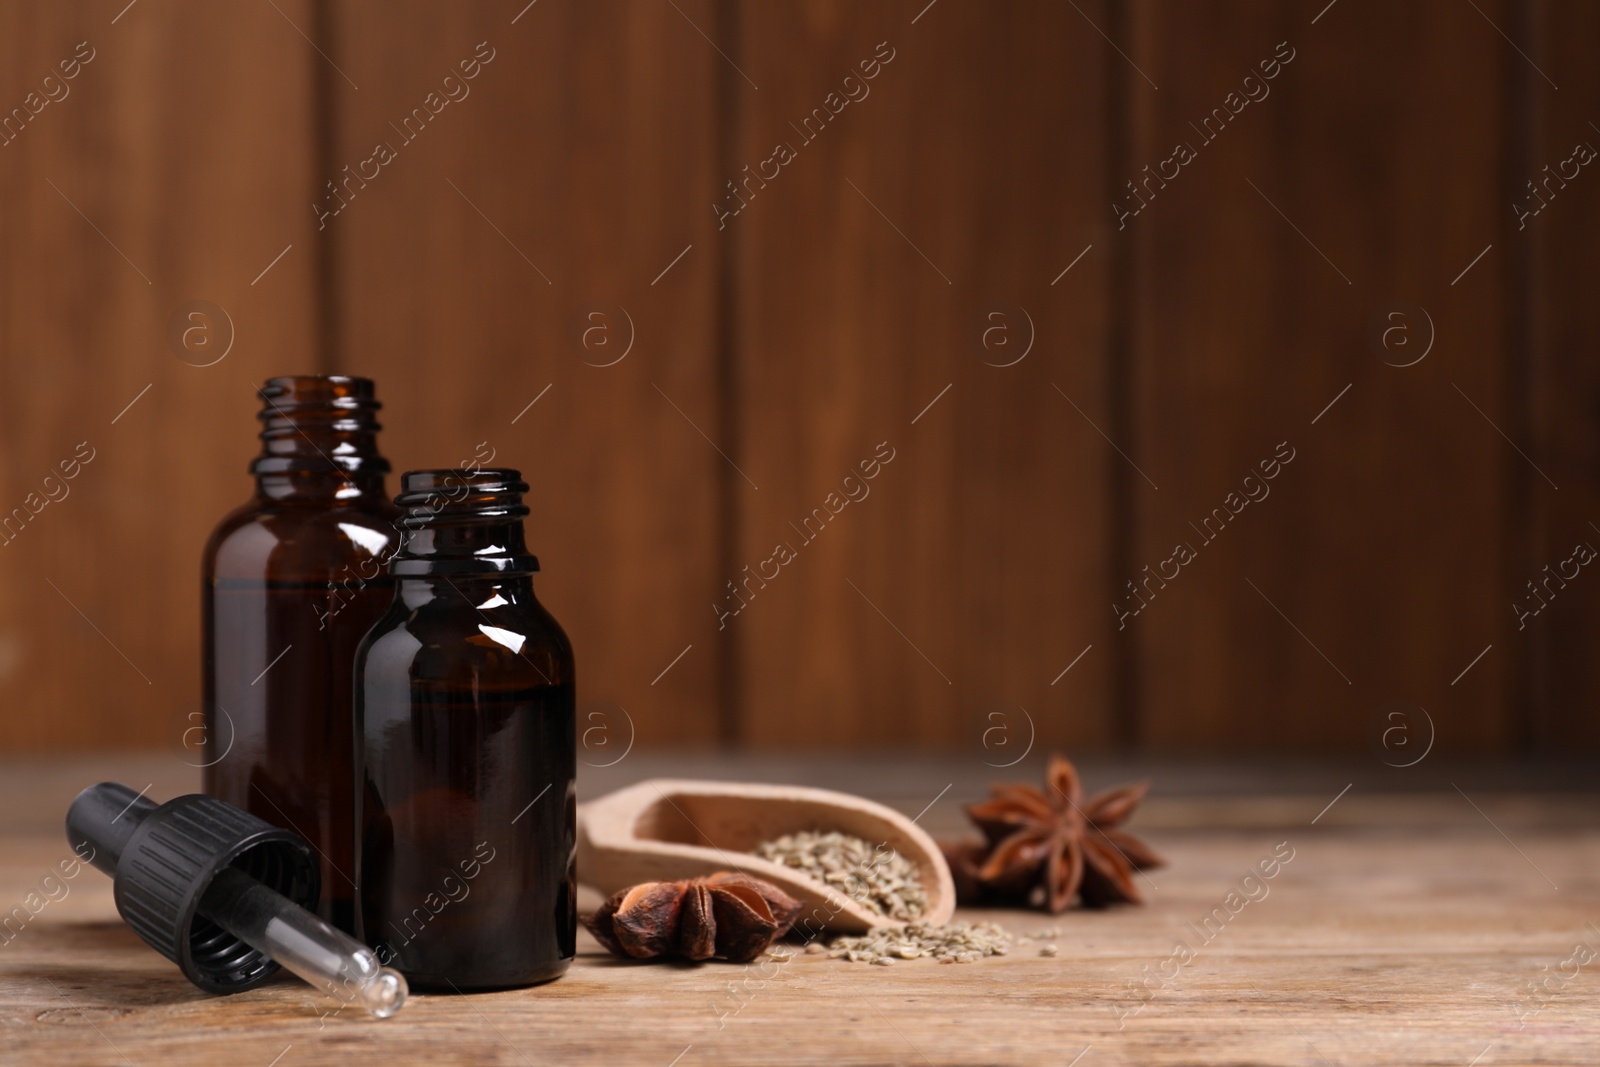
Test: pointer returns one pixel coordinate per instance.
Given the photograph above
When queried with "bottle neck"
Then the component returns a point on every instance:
(322, 487)
(462, 524)
(466, 541)
(319, 441)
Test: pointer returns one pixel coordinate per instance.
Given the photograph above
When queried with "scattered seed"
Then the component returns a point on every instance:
(1047, 950)
(952, 943)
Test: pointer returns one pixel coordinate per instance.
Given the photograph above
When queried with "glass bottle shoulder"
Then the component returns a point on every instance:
(463, 633)
(264, 538)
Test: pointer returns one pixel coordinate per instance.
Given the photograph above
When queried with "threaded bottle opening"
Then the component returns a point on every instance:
(459, 494)
(293, 392)
(317, 422)
(461, 521)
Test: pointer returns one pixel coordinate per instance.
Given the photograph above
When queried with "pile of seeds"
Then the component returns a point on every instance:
(952, 943)
(876, 877)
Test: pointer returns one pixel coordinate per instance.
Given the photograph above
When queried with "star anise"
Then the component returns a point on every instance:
(731, 916)
(1054, 842)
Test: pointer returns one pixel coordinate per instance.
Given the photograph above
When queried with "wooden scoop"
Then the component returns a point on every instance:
(666, 830)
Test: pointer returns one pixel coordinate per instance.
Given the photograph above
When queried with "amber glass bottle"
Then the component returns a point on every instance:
(464, 709)
(292, 581)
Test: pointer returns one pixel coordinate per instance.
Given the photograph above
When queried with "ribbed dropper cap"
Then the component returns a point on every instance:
(163, 857)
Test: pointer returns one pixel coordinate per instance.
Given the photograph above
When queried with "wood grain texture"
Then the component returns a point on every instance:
(1369, 569)
(1402, 930)
(1560, 249)
(566, 178)
(969, 573)
(587, 174)
(159, 177)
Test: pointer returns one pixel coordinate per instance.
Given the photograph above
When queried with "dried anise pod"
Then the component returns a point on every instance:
(731, 916)
(1051, 840)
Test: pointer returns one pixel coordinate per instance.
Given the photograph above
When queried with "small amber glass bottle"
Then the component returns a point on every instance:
(464, 708)
(291, 582)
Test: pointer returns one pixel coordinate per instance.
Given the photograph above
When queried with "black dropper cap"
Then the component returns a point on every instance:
(164, 856)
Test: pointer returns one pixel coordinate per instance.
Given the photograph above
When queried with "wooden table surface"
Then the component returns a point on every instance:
(1427, 927)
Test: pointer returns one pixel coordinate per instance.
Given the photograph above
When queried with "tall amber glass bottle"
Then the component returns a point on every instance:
(292, 581)
(464, 707)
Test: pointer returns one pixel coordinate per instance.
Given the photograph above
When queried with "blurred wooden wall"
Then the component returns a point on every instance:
(592, 258)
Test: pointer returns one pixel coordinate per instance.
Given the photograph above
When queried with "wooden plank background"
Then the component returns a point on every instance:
(1560, 258)
(167, 174)
(973, 572)
(1259, 270)
(566, 180)
(955, 211)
